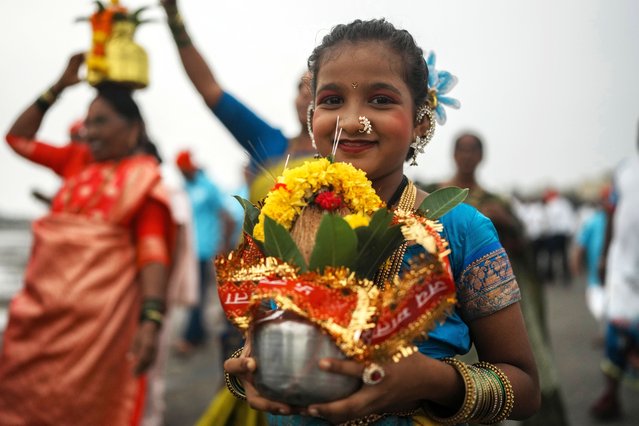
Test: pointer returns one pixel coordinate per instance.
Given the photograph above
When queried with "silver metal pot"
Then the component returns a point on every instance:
(287, 350)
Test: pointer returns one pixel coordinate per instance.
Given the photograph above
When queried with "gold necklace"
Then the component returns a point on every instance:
(394, 263)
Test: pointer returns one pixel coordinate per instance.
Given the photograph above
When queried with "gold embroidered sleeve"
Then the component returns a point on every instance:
(487, 285)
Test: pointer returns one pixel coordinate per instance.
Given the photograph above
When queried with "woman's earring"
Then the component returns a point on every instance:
(309, 124)
(366, 125)
(421, 141)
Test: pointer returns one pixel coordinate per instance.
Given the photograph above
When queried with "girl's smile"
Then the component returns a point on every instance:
(354, 146)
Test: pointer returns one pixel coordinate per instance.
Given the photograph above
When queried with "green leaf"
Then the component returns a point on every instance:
(377, 241)
(440, 202)
(251, 214)
(279, 243)
(335, 244)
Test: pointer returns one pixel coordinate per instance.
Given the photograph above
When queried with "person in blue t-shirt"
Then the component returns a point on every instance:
(587, 251)
(213, 227)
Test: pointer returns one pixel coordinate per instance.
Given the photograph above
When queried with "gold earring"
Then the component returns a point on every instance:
(309, 123)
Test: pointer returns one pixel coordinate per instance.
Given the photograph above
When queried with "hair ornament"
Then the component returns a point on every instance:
(440, 83)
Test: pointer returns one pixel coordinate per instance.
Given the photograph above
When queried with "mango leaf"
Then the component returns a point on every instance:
(279, 243)
(251, 214)
(440, 202)
(376, 242)
(335, 244)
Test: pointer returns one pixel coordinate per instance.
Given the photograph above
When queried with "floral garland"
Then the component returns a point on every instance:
(325, 184)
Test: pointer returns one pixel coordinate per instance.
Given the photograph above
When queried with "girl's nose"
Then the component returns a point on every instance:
(356, 124)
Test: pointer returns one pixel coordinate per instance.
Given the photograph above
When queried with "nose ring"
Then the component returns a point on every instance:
(366, 125)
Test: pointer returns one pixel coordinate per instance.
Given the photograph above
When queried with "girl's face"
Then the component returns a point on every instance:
(365, 79)
(109, 135)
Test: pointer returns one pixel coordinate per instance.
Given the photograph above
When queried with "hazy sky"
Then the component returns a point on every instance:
(551, 85)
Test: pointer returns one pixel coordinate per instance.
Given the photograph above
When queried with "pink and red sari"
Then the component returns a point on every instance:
(65, 354)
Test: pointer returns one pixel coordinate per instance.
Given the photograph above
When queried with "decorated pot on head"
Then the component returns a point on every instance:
(305, 283)
(114, 55)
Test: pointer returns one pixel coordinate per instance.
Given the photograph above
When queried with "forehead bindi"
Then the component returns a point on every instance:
(364, 63)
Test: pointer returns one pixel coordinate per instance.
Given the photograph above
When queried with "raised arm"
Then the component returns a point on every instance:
(29, 121)
(194, 64)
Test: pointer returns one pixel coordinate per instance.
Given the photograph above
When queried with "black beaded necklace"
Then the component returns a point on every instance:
(398, 192)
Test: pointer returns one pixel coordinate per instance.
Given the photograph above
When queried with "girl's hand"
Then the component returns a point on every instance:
(145, 347)
(243, 368)
(71, 74)
(392, 394)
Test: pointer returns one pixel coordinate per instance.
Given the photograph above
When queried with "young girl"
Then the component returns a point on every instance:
(374, 78)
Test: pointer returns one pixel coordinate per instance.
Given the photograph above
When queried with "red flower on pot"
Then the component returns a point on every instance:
(328, 200)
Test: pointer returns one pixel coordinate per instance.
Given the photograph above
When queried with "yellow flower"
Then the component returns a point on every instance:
(296, 187)
(356, 220)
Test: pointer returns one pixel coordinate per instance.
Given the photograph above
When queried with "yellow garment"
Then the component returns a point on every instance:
(226, 410)
(420, 419)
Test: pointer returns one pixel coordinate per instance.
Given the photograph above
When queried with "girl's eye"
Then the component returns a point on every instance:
(331, 100)
(381, 100)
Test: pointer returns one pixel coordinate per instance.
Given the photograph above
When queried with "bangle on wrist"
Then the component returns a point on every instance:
(181, 37)
(46, 99)
(155, 303)
(152, 315)
(153, 310)
(232, 383)
(488, 395)
(178, 29)
(175, 19)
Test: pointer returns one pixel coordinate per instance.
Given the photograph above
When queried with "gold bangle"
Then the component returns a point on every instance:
(470, 399)
(46, 99)
(232, 383)
(175, 20)
(49, 96)
(180, 36)
(482, 393)
(152, 315)
(489, 394)
(498, 392)
(507, 389)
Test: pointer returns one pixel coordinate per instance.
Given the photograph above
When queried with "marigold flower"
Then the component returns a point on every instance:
(298, 186)
(357, 220)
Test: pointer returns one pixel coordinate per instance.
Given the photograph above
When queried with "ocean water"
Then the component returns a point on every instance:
(15, 244)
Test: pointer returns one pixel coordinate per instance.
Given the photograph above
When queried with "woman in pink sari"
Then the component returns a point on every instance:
(84, 328)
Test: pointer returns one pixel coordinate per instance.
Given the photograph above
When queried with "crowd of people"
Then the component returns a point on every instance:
(119, 250)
